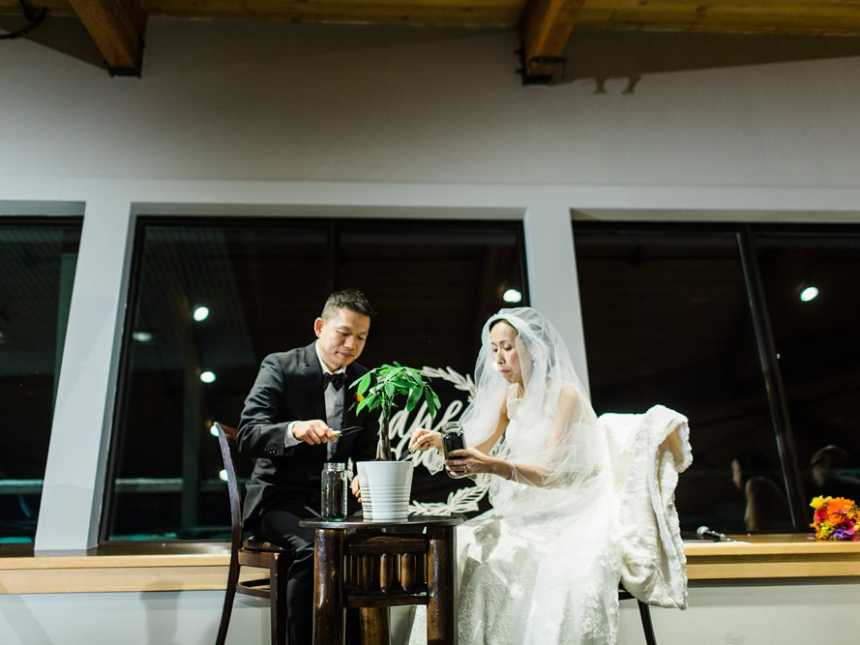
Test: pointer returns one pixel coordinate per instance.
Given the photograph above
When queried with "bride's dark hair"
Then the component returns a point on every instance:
(541, 334)
(496, 321)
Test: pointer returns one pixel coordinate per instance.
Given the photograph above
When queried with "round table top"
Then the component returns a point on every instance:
(356, 522)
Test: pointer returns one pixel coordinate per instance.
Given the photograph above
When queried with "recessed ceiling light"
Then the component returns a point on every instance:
(142, 336)
(222, 475)
(809, 294)
(201, 313)
(512, 296)
(208, 376)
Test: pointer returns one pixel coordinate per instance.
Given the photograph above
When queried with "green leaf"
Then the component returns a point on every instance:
(414, 398)
(433, 401)
(364, 403)
(364, 383)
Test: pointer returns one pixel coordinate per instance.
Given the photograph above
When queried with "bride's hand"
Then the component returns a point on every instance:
(471, 461)
(424, 439)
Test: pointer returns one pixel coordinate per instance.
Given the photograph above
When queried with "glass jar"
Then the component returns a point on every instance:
(334, 492)
(453, 439)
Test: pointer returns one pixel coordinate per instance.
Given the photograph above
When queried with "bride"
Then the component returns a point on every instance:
(579, 502)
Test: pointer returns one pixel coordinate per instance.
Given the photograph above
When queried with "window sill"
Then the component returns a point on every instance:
(195, 567)
(772, 556)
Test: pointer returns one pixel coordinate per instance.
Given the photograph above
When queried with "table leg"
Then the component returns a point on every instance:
(441, 628)
(375, 629)
(329, 617)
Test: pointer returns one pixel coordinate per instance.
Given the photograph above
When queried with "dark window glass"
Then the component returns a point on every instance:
(667, 321)
(811, 282)
(264, 282)
(37, 270)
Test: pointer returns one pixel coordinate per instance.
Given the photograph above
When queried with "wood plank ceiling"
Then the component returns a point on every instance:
(117, 26)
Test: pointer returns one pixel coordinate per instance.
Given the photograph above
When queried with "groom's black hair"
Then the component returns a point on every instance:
(351, 299)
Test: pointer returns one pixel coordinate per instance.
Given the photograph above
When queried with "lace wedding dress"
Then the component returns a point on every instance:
(543, 566)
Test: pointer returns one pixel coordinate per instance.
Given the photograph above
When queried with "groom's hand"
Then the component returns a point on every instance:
(313, 432)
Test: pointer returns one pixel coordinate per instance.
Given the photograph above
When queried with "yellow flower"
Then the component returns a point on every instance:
(818, 502)
(359, 398)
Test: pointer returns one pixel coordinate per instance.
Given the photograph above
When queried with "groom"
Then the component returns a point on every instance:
(289, 425)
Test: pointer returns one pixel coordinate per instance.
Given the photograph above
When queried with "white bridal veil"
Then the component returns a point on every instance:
(550, 426)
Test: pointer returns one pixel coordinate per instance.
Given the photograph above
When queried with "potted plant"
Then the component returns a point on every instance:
(386, 484)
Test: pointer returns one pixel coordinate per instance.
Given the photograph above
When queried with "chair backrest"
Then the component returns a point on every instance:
(226, 436)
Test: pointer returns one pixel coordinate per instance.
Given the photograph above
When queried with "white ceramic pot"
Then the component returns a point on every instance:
(385, 489)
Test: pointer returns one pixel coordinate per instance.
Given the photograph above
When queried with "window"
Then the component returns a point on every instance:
(211, 297)
(810, 279)
(37, 270)
(667, 320)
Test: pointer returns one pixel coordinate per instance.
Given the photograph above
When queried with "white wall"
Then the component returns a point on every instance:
(145, 618)
(259, 100)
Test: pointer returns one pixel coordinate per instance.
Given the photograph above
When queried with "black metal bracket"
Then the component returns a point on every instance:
(537, 79)
(33, 16)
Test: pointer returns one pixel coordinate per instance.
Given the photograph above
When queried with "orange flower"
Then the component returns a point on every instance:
(839, 505)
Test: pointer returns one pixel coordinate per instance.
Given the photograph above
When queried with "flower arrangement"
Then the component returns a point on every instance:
(386, 386)
(836, 518)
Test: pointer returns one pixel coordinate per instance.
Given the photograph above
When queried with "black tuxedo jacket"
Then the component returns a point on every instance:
(289, 388)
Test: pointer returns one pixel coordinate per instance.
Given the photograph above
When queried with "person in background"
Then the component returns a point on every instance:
(827, 468)
(766, 507)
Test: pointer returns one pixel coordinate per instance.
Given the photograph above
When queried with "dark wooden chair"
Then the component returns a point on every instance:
(251, 553)
(644, 614)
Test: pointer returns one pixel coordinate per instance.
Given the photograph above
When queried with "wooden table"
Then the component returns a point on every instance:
(377, 565)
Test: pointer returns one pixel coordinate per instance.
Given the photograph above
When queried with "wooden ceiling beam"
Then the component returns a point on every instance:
(116, 27)
(546, 29)
(426, 13)
(790, 17)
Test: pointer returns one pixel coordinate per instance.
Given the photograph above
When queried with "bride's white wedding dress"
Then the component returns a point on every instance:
(543, 566)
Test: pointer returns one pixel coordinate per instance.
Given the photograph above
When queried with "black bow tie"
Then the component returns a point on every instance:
(335, 379)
